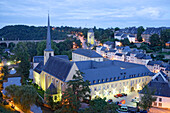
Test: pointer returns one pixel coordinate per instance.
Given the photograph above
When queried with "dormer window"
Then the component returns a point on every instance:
(107, 79)
(124, 77)
(111, 79)
(125, 73)
(98, 81)
(102, 80)
(118, 77)
(114, 78)
(94, 81)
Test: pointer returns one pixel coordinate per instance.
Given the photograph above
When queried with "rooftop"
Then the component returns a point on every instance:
(87, 52)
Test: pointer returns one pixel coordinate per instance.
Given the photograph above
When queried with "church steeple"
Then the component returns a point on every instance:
(48, 52)
(48, 43)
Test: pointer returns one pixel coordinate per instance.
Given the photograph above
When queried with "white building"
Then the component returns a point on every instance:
(131, 38)
(86, 54)
(159, 84)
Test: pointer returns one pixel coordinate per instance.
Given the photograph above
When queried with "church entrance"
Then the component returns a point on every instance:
(132, 89)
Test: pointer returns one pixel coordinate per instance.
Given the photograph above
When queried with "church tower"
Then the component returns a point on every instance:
(48, 52)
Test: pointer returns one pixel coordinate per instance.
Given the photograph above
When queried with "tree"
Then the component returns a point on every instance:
(125, 42)
(154, 40)
(21, 53)
(99, 105)
(5, 70)
(42, 45)
(117, 28)
(24, 96)
(140, 31)
(77, 89)
(147, 99)
(165, 36)
(80, 87)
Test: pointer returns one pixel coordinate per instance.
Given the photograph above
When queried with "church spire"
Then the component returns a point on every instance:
(48, 43)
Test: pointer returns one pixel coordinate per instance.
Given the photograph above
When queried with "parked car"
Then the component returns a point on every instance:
(119, 95)
(110, 100)
(123, 108)
(124, 94)
(116, 96)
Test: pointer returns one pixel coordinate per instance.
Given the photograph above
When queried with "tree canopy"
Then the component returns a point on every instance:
(24, 96)
(154, 40)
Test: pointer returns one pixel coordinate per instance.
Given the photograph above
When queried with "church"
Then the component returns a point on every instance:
(106, 77)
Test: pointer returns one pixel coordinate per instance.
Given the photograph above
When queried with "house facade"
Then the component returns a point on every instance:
(160, 85)
(86, 54)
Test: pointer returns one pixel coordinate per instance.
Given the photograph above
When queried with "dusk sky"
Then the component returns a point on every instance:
(86, 13)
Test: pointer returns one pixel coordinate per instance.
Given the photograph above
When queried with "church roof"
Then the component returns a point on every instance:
(58, 67)
(87, 52)
(48, 43)
(52, 89)
(91, 30)
(39, 67)
(108, 70)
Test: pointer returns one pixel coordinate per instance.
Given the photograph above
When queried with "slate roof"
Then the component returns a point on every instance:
(112, 50)
(153, 30)
(167, 68)
(103, 49)
(52, 89)
(158, 85)
(91, 30)
(109, 69)
(130, 30)
(87, 52)
(38, 59)
(119, 54)
(39, 67)
(119, 34)
(109, 43)
(154, 62)
(58, 67)
(124, 35)
(131, 35)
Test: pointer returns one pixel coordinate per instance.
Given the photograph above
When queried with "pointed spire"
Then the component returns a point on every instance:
(48, 43)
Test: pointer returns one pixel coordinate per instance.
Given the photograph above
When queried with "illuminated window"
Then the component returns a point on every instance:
(107, 79)
(124, 77)
(55, 98)
(114, 78)
(155, 103)
(102, 80)
(98, 81)
(94, 81)
(111, 79)
(160, 104)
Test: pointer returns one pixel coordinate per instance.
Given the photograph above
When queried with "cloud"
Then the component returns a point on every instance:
(82, 12)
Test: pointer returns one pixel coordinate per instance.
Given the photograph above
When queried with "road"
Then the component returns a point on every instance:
(158, 110)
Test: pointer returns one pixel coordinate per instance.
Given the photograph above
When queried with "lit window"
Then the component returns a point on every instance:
(98, 81)
(155, 103)
(160, 104)
(107, 79)
(111, 79)
(55, 98)
(124, 77)
(94, 81)
(118, 77)
(102, 80)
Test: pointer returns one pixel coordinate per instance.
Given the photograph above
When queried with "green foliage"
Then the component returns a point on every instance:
(155, 40)
(99, 105)
(5, 70)
(24, 96)
(23, 32)
(165, 36)
(140, 31)
(42, 45)
(147, 99)
(125, 42)
(117, 28)
(79, 86)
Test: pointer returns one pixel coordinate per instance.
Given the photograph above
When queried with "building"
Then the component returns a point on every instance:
(90, 37)
(131, 38)
(167, 44)
(156, 66)
(150, 31)
(109, 45)
(106, 77)
(160, 85)
(86, 54)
